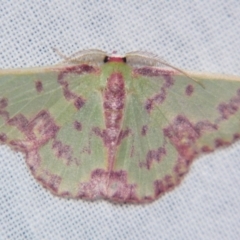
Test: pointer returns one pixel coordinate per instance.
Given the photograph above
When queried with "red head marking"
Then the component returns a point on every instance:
(116, 59)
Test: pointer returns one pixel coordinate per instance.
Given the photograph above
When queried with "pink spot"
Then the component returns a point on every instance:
(64, 152)
(37, 131)
(181, 167)
(79, 102)
(3, 103)
(19, 121)
(161, 96)
(86, 69)
(144, 130)
(97, 131)
(147, 199)
(236, 136)
(3, 137)
(159, 188)
(149, 105)
(50, 181)
(77, 126)
(205, 125)
(78, 69)
(206, 149)
(33, 158)
(153, 72)
(189, 90)
(108, 137)
(230, 108)
(75, 70)
(67, 93)
(221, 143)
(122, 135)
(169, 182)
(21, 146)
(43, 127)
(66, 194)
(109, 185)
(153, 155)
(38, 86)
(169, 80)
(64, 79)
(227, 109)
(183, 134)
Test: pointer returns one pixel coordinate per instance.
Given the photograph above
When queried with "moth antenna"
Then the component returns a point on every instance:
(181, 71)
(86, 55)
(152, 59)
(60, 54)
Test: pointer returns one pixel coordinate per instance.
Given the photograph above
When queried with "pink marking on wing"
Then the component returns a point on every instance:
(78, 69)
(169, 80)
(205, 125)
(106, 136)
(206, 149)
(64, 152)
(183, 135)
(65, 76)
(67, 93)
(153, 155)
(161, 96)
(123, 134)
(50, 181)
(65, 194)
(20, 145)
(19, 121)
(153, 72)
(33, 159)
(221, 143)
(189, 90)
(236, 136)
(43, 127)
(39, 130)
(159, 188)
(165, 185)
(229, 108)
(3, 138)
(79, 102)
(39, 86)
(144, 130)
(77, 125)
(97, 131)
(108, 185)
(3, 103)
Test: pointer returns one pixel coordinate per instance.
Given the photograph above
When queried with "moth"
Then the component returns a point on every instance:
(122, 128)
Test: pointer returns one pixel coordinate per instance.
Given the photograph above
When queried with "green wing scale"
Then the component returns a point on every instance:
(119, 131)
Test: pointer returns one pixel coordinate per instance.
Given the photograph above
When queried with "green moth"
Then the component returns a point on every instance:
(113, 127)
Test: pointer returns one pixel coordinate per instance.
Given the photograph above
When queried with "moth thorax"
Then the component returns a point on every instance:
(115, 82)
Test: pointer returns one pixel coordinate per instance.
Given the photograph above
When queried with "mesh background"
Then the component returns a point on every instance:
(195, 35)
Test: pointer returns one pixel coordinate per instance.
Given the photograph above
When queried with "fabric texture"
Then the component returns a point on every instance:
(193, 35)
